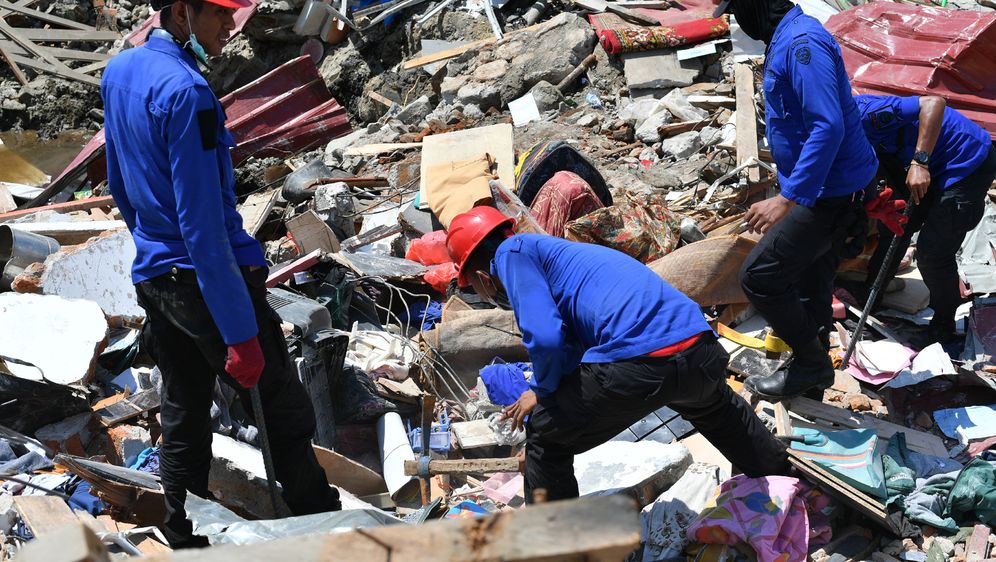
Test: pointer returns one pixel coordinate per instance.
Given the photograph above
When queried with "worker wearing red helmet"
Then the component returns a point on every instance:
(199, 276)
(610, 342)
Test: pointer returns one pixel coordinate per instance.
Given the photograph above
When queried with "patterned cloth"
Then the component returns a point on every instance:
(767, 513)
(565, 197)
(634, 39)
(641, 227)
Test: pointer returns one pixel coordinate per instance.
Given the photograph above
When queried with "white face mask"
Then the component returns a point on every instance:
(192, 42)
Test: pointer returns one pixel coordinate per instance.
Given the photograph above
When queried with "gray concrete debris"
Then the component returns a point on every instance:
(676, 103)
(681, 146)
(547, 96)
(334, 203)
(415, 112)
(657, 70)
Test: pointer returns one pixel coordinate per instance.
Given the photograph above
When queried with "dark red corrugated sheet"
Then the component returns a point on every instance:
(899, 49)
(288, 110)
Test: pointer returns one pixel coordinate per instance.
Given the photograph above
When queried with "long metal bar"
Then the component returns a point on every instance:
(264, 446)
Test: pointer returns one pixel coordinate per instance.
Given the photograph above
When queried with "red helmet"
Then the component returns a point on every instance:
(466, 232)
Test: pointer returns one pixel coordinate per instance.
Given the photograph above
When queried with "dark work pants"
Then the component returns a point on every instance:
(789, 275)
(600, 400)
(185, 342)
(943, 218)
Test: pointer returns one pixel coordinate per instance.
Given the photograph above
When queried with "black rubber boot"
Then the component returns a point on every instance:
(809, 368)
(937, 332)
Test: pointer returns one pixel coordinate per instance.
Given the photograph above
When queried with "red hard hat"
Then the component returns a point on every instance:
(466, 232)
(235, 4)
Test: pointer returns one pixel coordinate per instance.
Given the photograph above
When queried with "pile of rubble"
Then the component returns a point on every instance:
(350, 194)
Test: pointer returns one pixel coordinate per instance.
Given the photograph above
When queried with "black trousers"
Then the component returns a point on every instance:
(185, 342)
(789, 275)
(943, 218)
(600, 400)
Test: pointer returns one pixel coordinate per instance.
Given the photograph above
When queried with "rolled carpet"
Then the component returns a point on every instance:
(635, 39)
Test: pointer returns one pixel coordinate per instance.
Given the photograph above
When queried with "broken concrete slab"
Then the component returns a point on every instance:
(642, 470)
(547, 96)
(681, 146)
(127, 442)
(656, 70)
(99, 271)
(70, 435)
(51, 338)
(415, 112)
(676, 102)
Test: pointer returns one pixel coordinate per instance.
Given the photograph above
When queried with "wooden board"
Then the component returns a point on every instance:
(977, 547)
(853, 497)
(466, 466)
(57, 52)
(348, 474)
(256, 209)
(44, 514)
(919, 441)
(746, 119)
(467, 144)
(310, 233)
(72, 543)
(473, 434)
(128, 408)
(67, 207)
(45, 17)
(60, 70)
(9, 59)
(598, 529)
(66, 35)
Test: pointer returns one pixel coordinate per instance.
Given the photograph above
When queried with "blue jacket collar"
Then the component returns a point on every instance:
(164, 42)
(792, 14)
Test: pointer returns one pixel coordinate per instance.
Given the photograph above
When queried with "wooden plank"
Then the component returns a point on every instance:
(851, 496)
(310, 233)
(597, 529)
(94, 67)
(380, 148)
(783, 422)
(746, 119)
(44, 514)
(27, 45)
(346, 473)
(977, 547)
(57, 52)
(300, 264)
(465, 466)
(70, 232)
(5, 53)
(457, 51)
(256, 209)
(47, 18)
(919, 441)
(128, 408)
(67, 207)
(72, 543)
(66, 35)
(61, 70)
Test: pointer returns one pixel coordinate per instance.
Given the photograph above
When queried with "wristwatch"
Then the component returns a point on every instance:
(921, 158)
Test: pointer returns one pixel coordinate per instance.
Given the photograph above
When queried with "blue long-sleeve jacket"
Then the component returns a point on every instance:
(812, 123)
(892, 125)
(170, 173)
(579, 303)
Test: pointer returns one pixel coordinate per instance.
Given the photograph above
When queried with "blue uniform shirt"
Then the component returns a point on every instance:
(170, 172)
(579, 302)
(812, 122)
(892, 125)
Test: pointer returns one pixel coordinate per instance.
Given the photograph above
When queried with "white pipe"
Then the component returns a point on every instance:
(394, 451)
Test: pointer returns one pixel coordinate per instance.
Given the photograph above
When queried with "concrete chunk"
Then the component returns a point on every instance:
(642, 470)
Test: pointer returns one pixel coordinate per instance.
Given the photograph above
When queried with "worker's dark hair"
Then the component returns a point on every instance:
(167, 6)
(480, 259)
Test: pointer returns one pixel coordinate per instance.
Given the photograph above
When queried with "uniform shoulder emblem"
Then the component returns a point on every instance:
(882, 118)
(803, 55)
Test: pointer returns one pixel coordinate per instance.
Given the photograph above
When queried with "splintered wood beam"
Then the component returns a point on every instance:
(466, 466)
(5, 53)
(65, 72)
(57, 52)
(66, 35)
(27, 45)
(47, 18)
(746, 119)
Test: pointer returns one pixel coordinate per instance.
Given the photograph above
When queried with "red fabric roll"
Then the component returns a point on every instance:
(634, 39)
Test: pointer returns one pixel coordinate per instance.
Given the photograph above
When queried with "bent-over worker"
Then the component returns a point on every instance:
(948, 163)
(610, 342)
(199, 276)
(825, 165)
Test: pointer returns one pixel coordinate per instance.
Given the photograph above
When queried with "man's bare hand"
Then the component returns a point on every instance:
(520, 409)
(765, 214)
(918, 180)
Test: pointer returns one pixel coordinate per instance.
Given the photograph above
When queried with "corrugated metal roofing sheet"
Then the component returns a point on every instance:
(900, 49)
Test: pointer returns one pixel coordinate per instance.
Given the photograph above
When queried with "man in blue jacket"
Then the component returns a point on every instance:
(824, 167)
(199, 276)
(948, 164)
(610, 342)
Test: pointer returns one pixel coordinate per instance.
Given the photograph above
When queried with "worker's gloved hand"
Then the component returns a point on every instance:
(887, 210)
(245, 362)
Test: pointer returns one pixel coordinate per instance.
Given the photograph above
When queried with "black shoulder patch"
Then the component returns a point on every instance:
(207, 121)
(803, 55)
(882, 118)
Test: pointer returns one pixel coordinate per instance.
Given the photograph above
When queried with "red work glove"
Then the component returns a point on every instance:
(890, 212)
(245, 362)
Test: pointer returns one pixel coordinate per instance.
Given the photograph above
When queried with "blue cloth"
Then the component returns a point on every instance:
(809, 112)
(81, 499)
(147, 461)
(579, 302)
(505, 382)
(170, 172)
(418, 311)
(892, 125)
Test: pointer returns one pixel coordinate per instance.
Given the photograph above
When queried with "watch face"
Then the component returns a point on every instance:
(921, 157)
